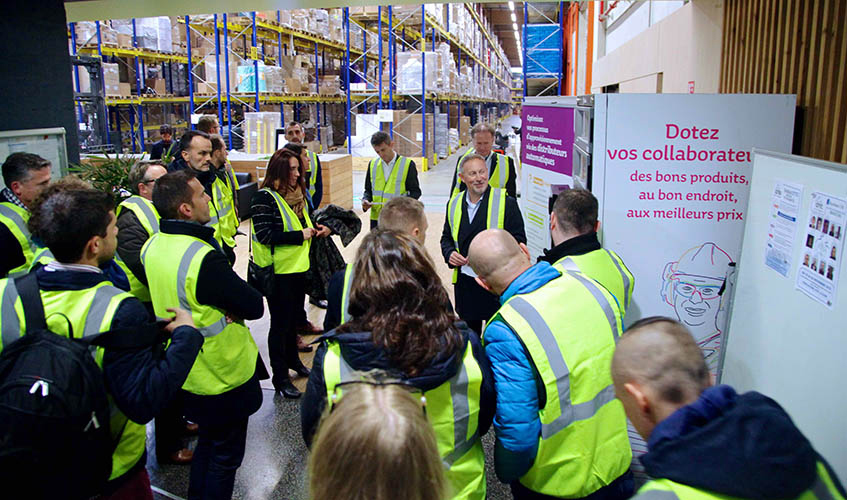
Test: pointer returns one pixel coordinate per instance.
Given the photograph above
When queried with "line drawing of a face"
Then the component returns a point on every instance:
(692, 286)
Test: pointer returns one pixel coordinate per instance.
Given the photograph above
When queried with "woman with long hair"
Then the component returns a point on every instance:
(402, 323)
(281, 230)
(376, 445)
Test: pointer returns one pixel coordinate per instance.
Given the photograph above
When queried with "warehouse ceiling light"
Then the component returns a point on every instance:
(515, 26)
(512, 6)
(514, 19)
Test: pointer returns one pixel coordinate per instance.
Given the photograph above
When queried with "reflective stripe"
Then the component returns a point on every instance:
(313, 167)
(279, 199)
(182, 273)
(97, 310)
(376, 193)
(215, 328)
(569, 413)
(820, 490)
(568, 264)
(503, 170)
(624, 277)
(152, 219)
(461, 416)
(657, 495)
(453, 216)
(601, 300)
(494, 200)
(345, 294)
(11, 324)
(18, 221)
(399, 188)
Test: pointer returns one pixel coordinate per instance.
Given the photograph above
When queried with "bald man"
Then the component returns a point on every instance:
(560, 431)
(708, 441)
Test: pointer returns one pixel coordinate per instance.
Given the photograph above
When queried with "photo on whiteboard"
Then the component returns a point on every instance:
(692, 285)
(806, 260)
(810, 241)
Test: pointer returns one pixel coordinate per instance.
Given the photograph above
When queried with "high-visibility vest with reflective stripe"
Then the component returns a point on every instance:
(144, 211)
(453, 410)
(88, 312)
(43, 256)
(345, 294)
(229, 218)
(286, 259)
(147, 215)
(15, 218)
(228, 358)
(313, 168)
(569, 327)
(664, 489)
(495, 217)
(606, 267)
(220, 207)
(498, 178)
(385, 189)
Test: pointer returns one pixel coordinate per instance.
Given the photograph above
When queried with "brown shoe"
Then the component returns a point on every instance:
(180, 457)
(303, 346)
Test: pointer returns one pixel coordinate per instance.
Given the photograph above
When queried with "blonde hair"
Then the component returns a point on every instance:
(376, 444)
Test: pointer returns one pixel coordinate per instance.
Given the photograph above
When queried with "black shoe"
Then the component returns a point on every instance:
(288, 390)
(302, 371)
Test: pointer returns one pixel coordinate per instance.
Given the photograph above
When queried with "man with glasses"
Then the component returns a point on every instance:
(692, 285)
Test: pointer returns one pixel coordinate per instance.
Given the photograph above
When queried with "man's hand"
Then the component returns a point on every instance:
(181, 318)
(457, 260)
(323, 231)
(366, 205)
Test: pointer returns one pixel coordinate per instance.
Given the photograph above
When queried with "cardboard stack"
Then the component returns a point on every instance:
(111, 79)
(410, 68)
(465, 129)
(337, 177)
(409, 134)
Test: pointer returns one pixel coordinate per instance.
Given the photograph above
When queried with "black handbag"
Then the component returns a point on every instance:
(260, 278)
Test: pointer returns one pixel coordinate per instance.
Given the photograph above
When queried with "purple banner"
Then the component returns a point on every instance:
(548, 135)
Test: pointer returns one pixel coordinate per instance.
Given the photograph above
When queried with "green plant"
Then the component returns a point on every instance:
(168, 156)
(107, 173)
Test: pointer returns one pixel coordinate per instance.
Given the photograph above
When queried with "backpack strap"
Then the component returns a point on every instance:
(27, 286)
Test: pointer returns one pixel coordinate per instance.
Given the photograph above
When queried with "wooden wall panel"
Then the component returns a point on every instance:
(792, 47)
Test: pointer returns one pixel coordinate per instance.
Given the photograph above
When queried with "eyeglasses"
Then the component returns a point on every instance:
(707, 292)
(337, 393)
(148, 181)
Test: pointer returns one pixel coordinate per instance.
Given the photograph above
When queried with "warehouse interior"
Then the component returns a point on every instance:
(112, 72)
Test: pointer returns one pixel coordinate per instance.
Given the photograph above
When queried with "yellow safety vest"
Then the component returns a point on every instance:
(605, 267)
(221, 209)
(313, 168)
(15, 218)
(228, 358)
(665, 489)
(147, 215)
(286, 259)
(43, 256)
(385, 189)
(498, 178)
(569, 327)
(89, 312)
(345, 294)
(495, 217)
(229, 219)
(453, 410)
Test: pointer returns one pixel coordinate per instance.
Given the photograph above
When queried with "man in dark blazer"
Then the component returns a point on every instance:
(501, 168)
(470, 212)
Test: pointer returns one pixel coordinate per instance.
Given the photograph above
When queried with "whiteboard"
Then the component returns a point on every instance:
(48, 143)
(780, 342)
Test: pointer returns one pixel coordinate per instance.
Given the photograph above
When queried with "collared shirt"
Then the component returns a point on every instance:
(9, 196)
(473, 208)
(386, 169)
(58, 266)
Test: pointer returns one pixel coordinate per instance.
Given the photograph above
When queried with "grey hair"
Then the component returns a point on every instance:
(469, 158)
(483, 127)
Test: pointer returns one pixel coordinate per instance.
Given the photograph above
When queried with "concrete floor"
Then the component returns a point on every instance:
(276, 458)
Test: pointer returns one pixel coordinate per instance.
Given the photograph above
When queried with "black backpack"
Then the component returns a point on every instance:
(55, 440)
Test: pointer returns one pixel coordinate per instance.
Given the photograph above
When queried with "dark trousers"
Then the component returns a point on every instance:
(170, 427)
(285, 306)
(619, 489)
(474, 304)
(219, 452)
(230, 253)
(374, 223)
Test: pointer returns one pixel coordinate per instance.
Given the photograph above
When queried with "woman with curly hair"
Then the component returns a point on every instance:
(402, 323)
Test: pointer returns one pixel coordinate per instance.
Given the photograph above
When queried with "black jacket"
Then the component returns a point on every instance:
(741, 445)
(511, 183)
(206, 178)
(219, 286)
(131, 237)
(412, 186)
(159, 149)
(11, 253)
(141, 383)
(363, 355)
(512, 222)
(579, 245)
(324, 257)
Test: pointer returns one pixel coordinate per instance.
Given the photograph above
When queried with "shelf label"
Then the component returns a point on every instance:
(385, 115)
(254, 53)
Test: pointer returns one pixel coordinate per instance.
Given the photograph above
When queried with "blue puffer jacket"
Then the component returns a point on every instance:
(519, 388)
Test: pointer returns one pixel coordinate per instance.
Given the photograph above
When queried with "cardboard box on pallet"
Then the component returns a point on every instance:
(111, 79)
(337, 177)
(465, 129)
